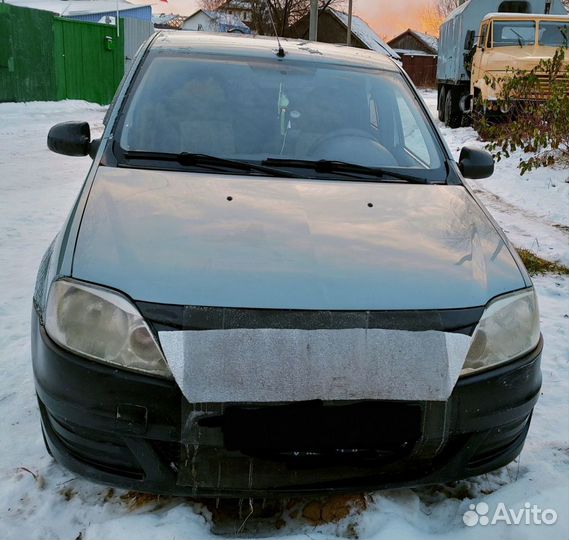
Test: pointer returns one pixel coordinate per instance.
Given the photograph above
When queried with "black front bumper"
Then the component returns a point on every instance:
(124, 429)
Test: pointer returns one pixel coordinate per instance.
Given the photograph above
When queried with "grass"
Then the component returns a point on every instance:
(536, 265)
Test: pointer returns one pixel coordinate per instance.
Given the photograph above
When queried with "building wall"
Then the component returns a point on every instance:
(143, 13)
(422, 69)
(200, 21)
(330, 30)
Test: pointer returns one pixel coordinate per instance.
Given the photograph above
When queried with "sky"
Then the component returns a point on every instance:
(386, 17)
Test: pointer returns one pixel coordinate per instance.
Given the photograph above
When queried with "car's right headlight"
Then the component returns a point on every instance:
(103, 325)
(508, 329)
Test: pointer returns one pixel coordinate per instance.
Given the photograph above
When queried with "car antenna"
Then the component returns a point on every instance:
(281, 52)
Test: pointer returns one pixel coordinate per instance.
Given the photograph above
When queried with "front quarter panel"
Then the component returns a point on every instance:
(58, 259)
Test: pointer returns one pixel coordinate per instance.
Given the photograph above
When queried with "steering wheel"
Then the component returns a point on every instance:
(353, 145)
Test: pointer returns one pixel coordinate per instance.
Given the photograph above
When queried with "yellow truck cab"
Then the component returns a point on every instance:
(509, 42)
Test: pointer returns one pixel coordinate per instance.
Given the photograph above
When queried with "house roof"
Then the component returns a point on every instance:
(364, 33)
(431, 42)
(236, 4)
(413, 52)
(225, 21)
(76, 7)
(170, 20)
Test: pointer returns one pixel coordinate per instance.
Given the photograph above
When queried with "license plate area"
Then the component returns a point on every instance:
(315, 427)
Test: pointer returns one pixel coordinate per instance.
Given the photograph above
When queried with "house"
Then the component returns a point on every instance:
(215, 21)
(333, 28)
(169, 21)
(419, 53)
(242, 9)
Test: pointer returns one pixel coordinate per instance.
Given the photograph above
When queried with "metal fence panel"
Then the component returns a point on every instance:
(26, 54)
(136, 32)
(89, 60)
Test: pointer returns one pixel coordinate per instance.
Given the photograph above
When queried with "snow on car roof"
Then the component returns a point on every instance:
(250, 45)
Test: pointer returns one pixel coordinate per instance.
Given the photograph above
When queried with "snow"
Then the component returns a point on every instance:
(428, 40)
(37, 189)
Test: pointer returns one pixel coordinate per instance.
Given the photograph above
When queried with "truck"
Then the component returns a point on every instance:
(488, 38)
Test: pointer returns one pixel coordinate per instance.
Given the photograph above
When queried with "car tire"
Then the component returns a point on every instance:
(441, 103)
(46, 445)
(452, 114)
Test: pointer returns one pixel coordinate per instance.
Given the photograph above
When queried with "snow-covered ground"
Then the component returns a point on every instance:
(39, 499)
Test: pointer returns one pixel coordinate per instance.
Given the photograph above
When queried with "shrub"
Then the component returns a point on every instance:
(535, 114)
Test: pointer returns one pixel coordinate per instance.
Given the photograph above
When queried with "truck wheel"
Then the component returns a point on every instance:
(441, 103)
(453, 116)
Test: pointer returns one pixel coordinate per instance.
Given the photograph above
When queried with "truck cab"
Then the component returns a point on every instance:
(486, 37)
(510, 42)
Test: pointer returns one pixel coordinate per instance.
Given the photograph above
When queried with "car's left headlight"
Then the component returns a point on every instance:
(102, 325)
(508, 329)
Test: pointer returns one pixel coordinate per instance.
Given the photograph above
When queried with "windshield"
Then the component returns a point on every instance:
(257, 109)
(554, 34)
(513, 33)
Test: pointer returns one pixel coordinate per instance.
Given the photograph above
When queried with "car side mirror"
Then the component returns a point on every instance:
(70, 139)
(475, 163)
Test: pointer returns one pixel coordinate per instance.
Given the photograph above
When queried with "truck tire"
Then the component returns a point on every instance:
(453, 116)
(441, 103)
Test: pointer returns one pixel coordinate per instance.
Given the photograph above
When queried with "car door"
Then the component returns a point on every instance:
(478, 60)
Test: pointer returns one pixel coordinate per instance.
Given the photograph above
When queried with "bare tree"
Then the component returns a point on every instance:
(445, 7)
(210, 5)
(435, 12)
(284, 13)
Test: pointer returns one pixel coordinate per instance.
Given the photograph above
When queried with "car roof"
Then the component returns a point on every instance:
(525, 16)
(224, 44)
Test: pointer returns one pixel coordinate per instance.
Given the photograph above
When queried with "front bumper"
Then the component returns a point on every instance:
(125, 429)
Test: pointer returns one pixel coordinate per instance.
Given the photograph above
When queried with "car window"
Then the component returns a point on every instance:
(513, 33)
(483, 35)
(554, 34)
(252, 110)
(413, 139)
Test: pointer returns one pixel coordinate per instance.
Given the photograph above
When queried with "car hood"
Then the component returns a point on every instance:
(256, 242)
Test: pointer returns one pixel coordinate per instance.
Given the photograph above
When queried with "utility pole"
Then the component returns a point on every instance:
(313, 33)
(350, 11)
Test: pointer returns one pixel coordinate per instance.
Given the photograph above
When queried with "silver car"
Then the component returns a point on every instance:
(275, 280)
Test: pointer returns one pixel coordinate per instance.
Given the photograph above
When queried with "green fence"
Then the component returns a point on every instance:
(44, 57)
(26, 54)
(89, 60)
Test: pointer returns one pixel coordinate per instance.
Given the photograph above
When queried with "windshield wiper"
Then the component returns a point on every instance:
(330, 166)
(212, 162)
(521, 40)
